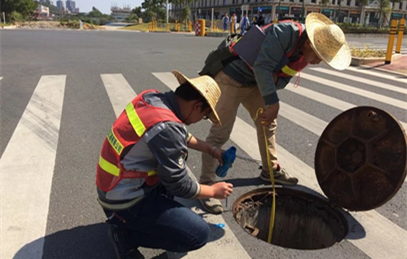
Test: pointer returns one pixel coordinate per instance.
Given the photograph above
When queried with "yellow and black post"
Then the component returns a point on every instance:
(400, 35)
(393, 30)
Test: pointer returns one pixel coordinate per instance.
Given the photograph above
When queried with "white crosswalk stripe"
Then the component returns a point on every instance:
(365, 71)
(327, 100)
(357, 91)
(381, 231)
(24, 214)
(386, 86)
(27, 167)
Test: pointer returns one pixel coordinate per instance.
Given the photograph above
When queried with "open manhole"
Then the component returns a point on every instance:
(360, 164)
(302, 220)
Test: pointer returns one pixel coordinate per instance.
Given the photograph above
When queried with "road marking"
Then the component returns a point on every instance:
(371, 72)
(27, 168)
(119, 91)
(229, 244)
(1, 77)
(328, 100)
(357, 91)
(373, 83)
(383, 238)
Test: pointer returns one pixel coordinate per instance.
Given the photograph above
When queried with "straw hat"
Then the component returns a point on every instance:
(328, 41)
(208, 88)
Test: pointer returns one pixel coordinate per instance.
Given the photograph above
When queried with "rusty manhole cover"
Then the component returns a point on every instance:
(360, 161)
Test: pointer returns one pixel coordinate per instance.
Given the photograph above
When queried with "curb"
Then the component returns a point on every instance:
(383, 70)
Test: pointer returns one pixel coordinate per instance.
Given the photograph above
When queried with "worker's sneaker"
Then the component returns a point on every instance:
(212, 205)
(175, 255)
(117, 236)
(280, 176)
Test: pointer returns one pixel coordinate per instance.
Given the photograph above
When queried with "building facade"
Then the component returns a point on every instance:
(349, 11)
(71, 6)
(120, 14)
(61, 5)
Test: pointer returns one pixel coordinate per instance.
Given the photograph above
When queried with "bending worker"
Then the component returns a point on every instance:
(288, 47)
(142, 166)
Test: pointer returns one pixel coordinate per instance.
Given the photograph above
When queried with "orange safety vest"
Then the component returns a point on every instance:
(128, 129)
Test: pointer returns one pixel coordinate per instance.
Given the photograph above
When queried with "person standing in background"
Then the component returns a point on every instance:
(233, 25)
(244, 24)
(225, 21)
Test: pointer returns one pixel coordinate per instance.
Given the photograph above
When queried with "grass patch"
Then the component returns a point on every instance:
(137, 27)
(367, 52)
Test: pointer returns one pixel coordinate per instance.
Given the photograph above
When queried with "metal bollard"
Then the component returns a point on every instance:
(400, 35)
(390, 44)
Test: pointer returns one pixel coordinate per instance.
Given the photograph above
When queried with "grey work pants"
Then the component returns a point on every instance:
(232, 95)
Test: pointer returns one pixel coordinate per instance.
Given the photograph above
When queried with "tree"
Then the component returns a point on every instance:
(362, 4)
(23, 7)
(154, 10)
(95, 13)
(338, 11)
(185, 13)
(384, 8)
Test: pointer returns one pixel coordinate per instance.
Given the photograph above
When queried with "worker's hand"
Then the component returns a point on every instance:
(217, 153)
(222, 190)
(269, 114)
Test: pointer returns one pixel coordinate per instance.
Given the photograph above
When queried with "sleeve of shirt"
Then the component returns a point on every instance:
(279, 41)
(170, 148)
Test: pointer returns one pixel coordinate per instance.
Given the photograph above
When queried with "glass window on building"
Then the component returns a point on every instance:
(313, 1)
(333, 1)
(348, 2)
(401, 6)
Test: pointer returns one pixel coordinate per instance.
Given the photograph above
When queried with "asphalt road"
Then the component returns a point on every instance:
(56, 109)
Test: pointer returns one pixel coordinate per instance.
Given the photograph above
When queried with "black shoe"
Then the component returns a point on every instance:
(117, 237)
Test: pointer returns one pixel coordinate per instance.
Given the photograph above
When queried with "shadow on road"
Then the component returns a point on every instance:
(85, 242)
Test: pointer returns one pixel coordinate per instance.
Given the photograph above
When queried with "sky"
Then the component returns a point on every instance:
(104, 5)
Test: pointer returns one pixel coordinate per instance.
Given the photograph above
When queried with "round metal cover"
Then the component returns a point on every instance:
(360, 161)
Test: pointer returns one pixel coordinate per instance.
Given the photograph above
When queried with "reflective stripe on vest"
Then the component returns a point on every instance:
(134, 119)
(109, 167)
(114, 142)
(289, 71)
(114, 170)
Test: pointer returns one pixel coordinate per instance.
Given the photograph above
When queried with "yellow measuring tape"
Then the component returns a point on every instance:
(273, 206)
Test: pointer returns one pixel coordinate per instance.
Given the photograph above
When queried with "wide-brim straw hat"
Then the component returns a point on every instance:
(208, 88)
(328, 41)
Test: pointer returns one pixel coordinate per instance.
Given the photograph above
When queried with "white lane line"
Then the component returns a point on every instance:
(357, 91)
(383, 239)
(371, 72)
(386, 86)
(325, 99)
(229, 245)
(1, 77)
(27, 168)
(119, 91)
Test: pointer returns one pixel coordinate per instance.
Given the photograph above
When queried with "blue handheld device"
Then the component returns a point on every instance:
(228, 158)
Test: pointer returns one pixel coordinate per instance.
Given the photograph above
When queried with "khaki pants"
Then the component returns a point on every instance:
(233, 94)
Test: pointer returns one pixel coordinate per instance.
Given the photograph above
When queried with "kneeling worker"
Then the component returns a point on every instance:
(142, 166)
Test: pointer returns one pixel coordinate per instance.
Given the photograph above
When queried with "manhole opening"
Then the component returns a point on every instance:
(302, 220)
